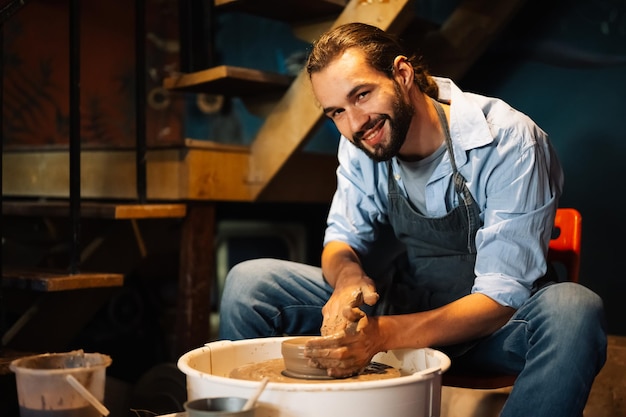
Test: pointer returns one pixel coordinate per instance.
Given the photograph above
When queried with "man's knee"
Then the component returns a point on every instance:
(574, 310)
(242, 281)
(570, 300)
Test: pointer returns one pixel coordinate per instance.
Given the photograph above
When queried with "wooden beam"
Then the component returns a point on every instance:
(298, 114)
(196, 277)
(93, 209)
(47, 281)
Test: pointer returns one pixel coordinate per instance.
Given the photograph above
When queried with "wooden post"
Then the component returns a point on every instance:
(196, 275)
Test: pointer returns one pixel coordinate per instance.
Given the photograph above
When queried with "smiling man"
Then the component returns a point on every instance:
(469, 186)
(360, 94)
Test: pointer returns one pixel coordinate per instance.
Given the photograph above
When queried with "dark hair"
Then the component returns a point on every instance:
(379, 47)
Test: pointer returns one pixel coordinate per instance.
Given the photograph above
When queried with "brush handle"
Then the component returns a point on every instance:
(87, 395)
(252, 400)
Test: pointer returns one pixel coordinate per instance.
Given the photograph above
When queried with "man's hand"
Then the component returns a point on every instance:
(347, 352)
(346, 346)
(342, 312)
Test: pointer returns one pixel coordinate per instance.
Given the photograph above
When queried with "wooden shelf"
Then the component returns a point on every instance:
(230, 81)
(93, 209)
(285, 10)
(46, 281)
(216, 146)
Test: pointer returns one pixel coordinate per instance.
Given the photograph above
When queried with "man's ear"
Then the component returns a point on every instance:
(403, 70)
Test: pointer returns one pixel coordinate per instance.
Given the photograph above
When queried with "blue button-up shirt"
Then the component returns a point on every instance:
(511, 170)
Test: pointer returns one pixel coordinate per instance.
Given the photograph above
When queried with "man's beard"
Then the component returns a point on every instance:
(403, 112)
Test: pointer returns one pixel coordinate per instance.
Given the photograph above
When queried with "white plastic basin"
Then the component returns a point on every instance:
(415, 394)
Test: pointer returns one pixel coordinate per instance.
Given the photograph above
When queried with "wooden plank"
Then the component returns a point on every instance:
(110, 174)
(297, 114)
(104, 174)
(148, 211)
(48, 281)
(216, 146)
(285, 10)
(93, 209)
(230, 81)
(202, 171)
(216, 175)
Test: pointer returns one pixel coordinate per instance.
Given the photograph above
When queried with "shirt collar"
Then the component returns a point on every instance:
(468, 127)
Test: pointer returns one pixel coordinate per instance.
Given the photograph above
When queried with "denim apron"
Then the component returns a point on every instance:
(438, 266)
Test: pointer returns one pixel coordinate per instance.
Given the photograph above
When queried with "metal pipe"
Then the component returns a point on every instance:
(3, 321)
(140, 98)
(74, 73)
(196, 27)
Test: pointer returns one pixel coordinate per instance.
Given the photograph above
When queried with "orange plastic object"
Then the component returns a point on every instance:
(565, 248)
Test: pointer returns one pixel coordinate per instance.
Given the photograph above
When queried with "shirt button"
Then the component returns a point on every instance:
(397, 177)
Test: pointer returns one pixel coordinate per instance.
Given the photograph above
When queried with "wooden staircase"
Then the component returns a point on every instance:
(295, 117)
(193, 178)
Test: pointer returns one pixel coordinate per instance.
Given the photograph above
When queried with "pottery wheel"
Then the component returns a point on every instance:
(274, 369)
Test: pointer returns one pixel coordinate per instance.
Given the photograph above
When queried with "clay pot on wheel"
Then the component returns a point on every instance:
(296, 364)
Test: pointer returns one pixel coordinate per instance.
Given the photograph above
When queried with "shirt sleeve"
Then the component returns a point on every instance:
(523, 185)
(360, 201)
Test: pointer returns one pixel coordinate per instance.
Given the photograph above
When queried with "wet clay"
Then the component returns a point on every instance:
(273, 369)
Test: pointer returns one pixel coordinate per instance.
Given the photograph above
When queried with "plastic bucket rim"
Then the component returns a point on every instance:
(17, 368)
(191, 372)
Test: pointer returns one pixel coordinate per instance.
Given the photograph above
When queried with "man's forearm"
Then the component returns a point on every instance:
(466, 319)
(340, 264)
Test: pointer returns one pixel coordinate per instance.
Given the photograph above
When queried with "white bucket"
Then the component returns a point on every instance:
(44, 383)
(415, 394)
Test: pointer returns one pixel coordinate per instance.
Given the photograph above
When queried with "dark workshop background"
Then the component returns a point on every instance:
(562, 62)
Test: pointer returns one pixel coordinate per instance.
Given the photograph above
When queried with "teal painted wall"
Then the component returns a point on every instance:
(564, 64)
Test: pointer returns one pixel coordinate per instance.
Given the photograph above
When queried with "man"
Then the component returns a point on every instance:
(470, 187)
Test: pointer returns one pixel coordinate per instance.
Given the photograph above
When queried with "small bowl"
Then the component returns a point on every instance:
(296, 365)
(218, 407)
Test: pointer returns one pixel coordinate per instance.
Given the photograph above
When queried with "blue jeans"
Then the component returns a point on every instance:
(556, 342)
